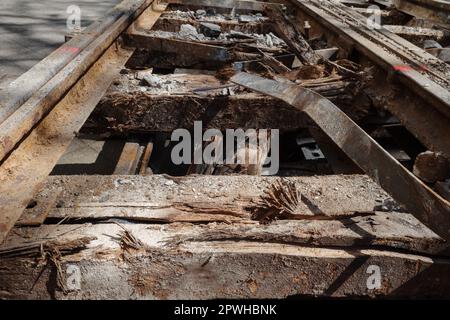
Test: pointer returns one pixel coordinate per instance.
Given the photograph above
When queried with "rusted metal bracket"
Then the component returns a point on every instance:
(404, 187)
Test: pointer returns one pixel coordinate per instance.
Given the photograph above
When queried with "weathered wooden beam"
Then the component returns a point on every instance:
(171, 23)
(129, 159)
(169, 262)
(177, 100)
(188, 52)
(142, 112)
(31, 162)
(419, 199)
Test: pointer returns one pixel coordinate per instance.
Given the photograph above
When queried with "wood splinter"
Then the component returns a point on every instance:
(282, 201)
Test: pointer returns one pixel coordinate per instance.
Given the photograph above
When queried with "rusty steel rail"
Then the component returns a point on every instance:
(22, 120)
(429, 207)
(25, 170)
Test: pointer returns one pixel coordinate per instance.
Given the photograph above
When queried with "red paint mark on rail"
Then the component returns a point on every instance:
(69, 49)
(402, 68)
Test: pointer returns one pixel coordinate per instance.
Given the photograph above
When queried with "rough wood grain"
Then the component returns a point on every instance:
(177, 100)
(84, 196)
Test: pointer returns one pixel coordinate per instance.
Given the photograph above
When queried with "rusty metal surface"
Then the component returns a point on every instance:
(434, 10)
(430, 208)
(15, 127)
(19, 91)
(25, 170)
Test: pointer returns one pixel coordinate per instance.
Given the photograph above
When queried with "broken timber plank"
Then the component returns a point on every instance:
(433, 10)
(430, 208)
(167, 265)
(129, 159)
(27, 167)
(415, 34)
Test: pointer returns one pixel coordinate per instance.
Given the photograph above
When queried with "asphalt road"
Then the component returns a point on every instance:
(31, 29)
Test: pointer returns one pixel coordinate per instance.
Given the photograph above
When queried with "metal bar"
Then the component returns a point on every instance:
(404, 187)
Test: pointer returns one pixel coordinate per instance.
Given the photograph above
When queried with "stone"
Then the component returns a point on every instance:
(443, 188)
(200, 13)
(247, 18)
(189, 31)
(210, 11)
(210, 29)
(444, 54)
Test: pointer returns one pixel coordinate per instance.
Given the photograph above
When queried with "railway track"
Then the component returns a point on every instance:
(354, 117)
